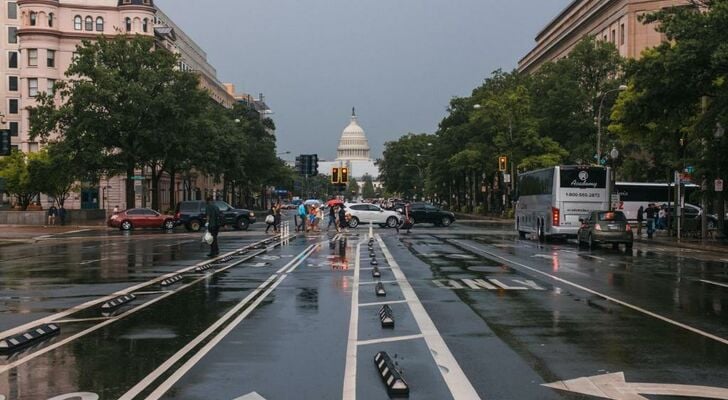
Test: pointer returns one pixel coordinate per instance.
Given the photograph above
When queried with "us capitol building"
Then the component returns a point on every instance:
(353, 153)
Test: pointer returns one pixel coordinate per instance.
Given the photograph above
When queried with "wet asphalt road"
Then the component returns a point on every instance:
(478, 313)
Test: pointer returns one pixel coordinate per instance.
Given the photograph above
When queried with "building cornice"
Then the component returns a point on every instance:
(63, 34)
(53, 3)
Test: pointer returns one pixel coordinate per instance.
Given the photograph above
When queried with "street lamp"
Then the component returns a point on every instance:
(621, 88)
(614, 154)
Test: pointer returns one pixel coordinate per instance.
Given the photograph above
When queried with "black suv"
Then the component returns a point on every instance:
(427, 213)
(191, 214)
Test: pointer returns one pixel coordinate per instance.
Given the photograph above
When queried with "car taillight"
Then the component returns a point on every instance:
(629, 228)
(597, 227)
(177, 215)
(555, 217)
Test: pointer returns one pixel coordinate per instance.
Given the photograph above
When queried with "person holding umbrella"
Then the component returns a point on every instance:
(332, 204)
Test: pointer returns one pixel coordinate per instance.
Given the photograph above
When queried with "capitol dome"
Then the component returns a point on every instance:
(353, 144)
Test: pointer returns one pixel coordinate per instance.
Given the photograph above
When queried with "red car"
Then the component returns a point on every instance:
(141, 218)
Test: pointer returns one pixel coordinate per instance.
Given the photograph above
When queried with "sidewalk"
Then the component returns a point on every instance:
(717, 245)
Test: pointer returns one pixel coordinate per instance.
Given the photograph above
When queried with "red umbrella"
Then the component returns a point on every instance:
(334, 202)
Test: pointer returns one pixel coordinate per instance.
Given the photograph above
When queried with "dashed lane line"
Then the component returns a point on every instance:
(602, 295)
(713, 283)
(190, 363)
(455, 379)
(390, 339)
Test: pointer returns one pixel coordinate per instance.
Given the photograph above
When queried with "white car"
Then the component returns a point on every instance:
(362, 213)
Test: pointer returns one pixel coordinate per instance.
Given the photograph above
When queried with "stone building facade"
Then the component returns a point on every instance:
(616, 21)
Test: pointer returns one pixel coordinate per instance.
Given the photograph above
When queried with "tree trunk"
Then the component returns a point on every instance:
(172, 189)
(155, 188)
(130, 195)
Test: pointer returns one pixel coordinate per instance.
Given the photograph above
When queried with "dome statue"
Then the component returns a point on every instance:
(353, 144)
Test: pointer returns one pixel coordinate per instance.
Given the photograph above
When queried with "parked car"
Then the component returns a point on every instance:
(362, 213)
(134, 218)
(695, 212)
(192, 215)
(427, 213)
(605, 227)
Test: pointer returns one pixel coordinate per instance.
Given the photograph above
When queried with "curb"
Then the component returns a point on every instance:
(693, 246)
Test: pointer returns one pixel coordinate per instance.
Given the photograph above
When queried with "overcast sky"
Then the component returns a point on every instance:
(397, 61)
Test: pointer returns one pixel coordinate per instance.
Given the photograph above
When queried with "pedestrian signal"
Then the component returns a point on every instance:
(334, 175)
(345, 175)
(503, 163)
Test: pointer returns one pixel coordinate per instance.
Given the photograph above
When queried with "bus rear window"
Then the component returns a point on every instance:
(584, 178)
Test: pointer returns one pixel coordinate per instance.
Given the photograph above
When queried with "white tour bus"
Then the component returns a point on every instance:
(632, 195)
(551, 201)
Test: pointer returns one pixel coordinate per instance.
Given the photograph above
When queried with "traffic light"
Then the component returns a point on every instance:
(334, 176)
(345, 175)
(5, 148)
(314, 165)
(503, 163)
(299, 165)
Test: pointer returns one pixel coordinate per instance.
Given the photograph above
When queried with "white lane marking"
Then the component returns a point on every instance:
(602, 295)
(371, 268)
(251, 396)
(714, 283)
(381, 303)
(192, 361)
(349, 392)
(375, 282)
(91, 303)
(458, 384)
(94, 328)
(390, 339)
(615, 386)
(71, 321)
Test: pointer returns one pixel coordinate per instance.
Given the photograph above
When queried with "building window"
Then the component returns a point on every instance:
(77, 22)
(14, 128)
(145, 25)
(33, 147)
(51, 86)
(32, 87)
(13, 106)
(621, 34)
(89, 23)
(12, 34)
(51, 58)
(51, 16)
(127, 22)
(12, 59)
(614, 36)
(99, 24)
(32, 57)
(13, 83)
(12, 10)
(33, 18)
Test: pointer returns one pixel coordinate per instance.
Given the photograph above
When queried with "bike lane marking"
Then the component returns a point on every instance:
(349, 391)
(455, 379)
(278, 278)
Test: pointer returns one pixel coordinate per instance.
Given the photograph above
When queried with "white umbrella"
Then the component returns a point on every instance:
(312, 201)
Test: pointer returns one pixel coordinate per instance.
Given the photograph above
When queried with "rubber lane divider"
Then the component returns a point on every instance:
(14, 343)
(131, 311)
(92, 303)
(386, 315)
(117, 302)
(171, 280)
(379, 290)
(373, 261)
(391, 375)
(376, 273)
(203, 268)
(267, 287)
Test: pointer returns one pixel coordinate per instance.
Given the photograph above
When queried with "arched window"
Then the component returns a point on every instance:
(89, 23)
(33, 18)
(100, 24)
(50, 20)
(127, 21)
(77, 22)
(145, 25)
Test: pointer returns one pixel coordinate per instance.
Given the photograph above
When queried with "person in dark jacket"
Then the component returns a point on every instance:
(651, 214)
(640, 219)
(213, 225)
(271, 213)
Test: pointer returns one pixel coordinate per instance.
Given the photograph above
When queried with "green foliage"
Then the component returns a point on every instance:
(19, 181)
(403, 161)
(352, 187)
(367, 190)
(54, 172)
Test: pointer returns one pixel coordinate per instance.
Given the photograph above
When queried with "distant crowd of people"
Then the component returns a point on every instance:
(655, 216)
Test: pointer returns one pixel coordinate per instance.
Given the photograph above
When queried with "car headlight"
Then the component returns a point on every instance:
(252, 214)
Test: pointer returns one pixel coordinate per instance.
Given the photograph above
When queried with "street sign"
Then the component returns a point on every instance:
(506, 178)
(137, 178)
(719, 185)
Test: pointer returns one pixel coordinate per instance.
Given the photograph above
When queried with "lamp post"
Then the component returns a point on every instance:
(621, 88)
(613, 154)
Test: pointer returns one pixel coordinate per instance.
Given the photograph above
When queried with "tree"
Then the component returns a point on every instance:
(367, 190)
(402, 162)
(123, 105)
(19, 182)
(353, 187)
(55, 172)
